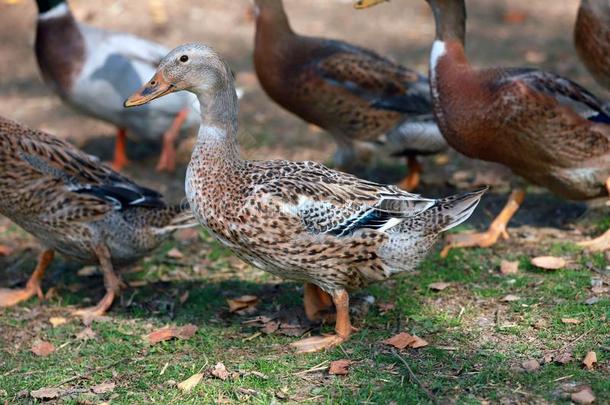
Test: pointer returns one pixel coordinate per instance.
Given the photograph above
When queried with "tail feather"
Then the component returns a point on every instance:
(181, 217)
(455, 209)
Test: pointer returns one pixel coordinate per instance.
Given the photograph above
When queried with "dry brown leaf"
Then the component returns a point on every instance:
(589, 360)
(530, 365)
(339, 367)
(549, 262)
(242, 303)
(507, 267)
(510, 298)
(270, 327)
(46, 393)
(180, 332)
(190, 383)
(187, 234)
(86, 334)
(563, 358)
(220, 371)
(42, 348)
(103, 388)
(583, 397)
(57, 320)
(174, 253)
(439, 286)
(184, 297)
(571, 320)
(403, 339)
(385, 307)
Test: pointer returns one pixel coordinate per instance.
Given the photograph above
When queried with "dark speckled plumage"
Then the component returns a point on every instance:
(592, 38)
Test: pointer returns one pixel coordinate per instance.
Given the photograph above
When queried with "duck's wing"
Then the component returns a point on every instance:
(49, 168)
(377, 80)
(564, 91)
(329, 202)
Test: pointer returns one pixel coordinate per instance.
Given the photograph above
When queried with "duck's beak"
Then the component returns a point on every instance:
(367, 3)
(155, 88)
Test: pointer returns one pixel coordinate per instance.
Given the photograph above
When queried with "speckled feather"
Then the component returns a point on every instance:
(71, 202)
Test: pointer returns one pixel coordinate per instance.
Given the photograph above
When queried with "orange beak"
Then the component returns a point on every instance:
(360, 4)
(155, 88)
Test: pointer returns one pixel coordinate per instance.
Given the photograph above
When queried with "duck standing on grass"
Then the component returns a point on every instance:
(93, 70)
(78, 207)
(592, 38)
(297, 220)
(546, 128)
(367, 102)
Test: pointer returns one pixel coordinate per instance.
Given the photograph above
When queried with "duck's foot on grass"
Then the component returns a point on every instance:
(9, 297)
(599, 244)
(317, 343)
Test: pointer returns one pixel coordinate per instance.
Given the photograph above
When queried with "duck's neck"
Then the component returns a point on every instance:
(271, 22)
(450, 19)
(60, 46)
(217, 140)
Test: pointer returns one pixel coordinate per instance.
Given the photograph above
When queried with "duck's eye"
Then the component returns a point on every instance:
(153, 82)
(184, 58)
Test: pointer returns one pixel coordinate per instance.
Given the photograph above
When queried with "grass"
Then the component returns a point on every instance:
(477, 341)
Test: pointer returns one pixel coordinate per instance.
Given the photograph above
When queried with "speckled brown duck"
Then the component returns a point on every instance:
(78, 207)
(93, 70)
(298, 220)
(592, 38)
(367, 102)
(546, 128)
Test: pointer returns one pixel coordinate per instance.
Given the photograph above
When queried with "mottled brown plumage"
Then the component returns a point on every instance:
(298, 220)
(592, 38)
(546, 128)
(77, 206)
(367, 102)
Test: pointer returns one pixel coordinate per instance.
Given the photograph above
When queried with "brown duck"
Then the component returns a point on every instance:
(367, 102)
(592, 38)
(78, 207)
(546, 128)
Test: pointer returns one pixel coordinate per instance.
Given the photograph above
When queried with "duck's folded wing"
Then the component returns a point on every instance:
(380, 82)
(564, 91)
(334, 203)
(92, 187)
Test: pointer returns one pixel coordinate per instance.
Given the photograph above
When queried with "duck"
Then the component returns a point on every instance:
(78, 207)
(92, 70)
(369, 104)
(298, 220)
(592, 38)
(546, 128)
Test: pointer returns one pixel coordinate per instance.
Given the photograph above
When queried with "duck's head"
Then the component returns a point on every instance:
(192, 67)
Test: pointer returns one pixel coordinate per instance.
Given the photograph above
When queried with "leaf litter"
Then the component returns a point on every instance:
(180, 332)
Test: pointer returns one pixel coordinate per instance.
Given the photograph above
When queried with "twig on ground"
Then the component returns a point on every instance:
(414, 378)
(91, 372)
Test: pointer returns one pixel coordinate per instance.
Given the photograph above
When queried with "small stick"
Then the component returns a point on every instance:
(89, 373)
(414, 378)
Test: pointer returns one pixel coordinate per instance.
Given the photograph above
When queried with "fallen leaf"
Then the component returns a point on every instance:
(42, 348)
(271, 327)
(46, 393)
(174, 253)
(403, 339)
(187, 234)
(589, 360)
(549, 262)
(220, 371)
(190, 383)
(584, 396)
(563, 358)
(180, 332)
(571, 320)
(103, 388)
(86, 334)
(510, 298)
(242, 303)
(507, 267)
(184, 297)
(439, 286)
(339, 367)
(57, 320)
(530, 365)
(385, 307)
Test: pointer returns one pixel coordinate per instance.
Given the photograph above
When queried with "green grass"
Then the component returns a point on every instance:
(477, 342)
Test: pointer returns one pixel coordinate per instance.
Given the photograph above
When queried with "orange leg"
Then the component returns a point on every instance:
(8, 298)
(120, 154)
(496, 230)
(343, 328)
(167, 160)
(111, 282)
(601, 243)
(317, 303)
(411, 181)
(5, 250)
